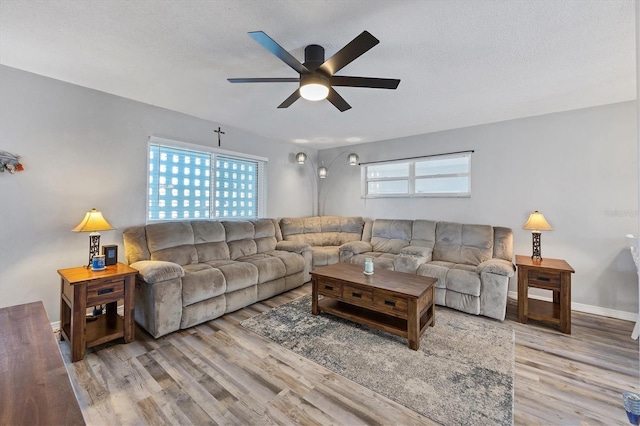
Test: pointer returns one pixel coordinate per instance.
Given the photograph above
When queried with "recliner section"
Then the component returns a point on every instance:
(195, 271)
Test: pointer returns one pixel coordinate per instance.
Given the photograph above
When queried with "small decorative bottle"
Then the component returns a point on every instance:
(368, 266)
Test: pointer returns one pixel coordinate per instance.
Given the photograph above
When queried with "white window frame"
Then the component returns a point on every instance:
(261, 185)
(411, 177)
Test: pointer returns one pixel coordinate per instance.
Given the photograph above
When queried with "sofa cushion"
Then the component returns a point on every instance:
(237, 275)
(433, 270)
(200, 282)
(327, 255)
(264, 235)
(210, 240)
(391, 236)
(269, 267)
(322, 230)
(466, 282)
(380, 260)
(172, 242)
(423, 233)
(461, 243)
(293, 262)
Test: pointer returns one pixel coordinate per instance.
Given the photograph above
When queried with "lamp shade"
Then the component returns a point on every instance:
(301, 157)
(322, 172)
(537, 222)
(93, 221)
(353, 159)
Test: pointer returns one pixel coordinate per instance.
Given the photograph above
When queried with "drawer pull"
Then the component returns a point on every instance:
(389, 303)
(105, 291)
(545, 279)
(328, 287)
(358, 295)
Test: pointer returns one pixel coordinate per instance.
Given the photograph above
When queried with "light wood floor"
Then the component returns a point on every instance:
(220, 373)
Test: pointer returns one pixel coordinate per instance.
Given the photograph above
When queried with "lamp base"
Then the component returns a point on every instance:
(537, 252)
(94, 247)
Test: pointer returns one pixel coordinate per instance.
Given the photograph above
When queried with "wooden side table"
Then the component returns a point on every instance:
(81, 288)
(548, 274)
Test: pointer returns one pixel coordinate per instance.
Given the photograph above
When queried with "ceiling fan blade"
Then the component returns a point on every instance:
(350, 52)
(337, 100)
(373, 83)
(273, 47)
(290, 100)
(263, 80)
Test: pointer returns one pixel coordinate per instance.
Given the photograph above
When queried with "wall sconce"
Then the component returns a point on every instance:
(93, 222)
(301, 157)
(322, 172)
(535, 224)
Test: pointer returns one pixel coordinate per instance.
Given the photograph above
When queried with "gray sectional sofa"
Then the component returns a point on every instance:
(194, 271)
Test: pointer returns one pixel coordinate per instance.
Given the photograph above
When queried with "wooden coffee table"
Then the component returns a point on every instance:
(395, 302)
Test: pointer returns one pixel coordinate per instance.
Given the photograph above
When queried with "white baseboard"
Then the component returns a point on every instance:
(589, 309)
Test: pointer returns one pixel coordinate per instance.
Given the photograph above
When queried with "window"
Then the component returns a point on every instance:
(192, 182)
(447, 175)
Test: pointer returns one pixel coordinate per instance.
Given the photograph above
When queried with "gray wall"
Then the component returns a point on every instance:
(579, 168)
(82, 149)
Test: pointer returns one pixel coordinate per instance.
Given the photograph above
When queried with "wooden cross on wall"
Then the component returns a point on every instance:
(219, 132)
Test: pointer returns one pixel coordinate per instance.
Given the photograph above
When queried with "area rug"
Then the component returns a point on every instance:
(461, 375)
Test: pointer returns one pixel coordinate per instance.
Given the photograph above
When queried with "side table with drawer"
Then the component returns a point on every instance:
(81, 288)
(547, 274)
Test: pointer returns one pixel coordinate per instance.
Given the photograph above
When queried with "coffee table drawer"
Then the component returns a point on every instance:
(357, 296)
(543, 279)
(389, 302)
(330, 288)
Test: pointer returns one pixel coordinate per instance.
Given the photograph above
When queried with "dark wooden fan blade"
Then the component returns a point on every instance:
(347, 54)
(337, 100)
(290, 100)
(263, 80)
(273, 47)
(373, 83)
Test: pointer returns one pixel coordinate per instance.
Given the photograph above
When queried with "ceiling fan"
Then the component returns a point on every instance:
(317, 76)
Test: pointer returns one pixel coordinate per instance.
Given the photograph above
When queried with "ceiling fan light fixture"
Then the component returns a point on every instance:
(314, 88)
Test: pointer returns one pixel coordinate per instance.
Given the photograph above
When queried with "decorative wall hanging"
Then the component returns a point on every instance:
(219, 132)
(10, 162)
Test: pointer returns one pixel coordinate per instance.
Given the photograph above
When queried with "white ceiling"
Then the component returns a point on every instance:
(461, 63)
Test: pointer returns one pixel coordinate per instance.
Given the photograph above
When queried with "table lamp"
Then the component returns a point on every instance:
(535, 224)
(93, 222)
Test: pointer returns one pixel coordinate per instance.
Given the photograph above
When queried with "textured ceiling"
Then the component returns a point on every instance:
(461, 63)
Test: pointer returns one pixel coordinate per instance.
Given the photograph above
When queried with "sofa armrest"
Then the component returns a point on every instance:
(350, 249)
(293, 246)
(304, 250)
(498, 267)
(155, 271)
(418, 251)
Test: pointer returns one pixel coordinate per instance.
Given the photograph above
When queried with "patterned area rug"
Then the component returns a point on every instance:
(462, 374)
